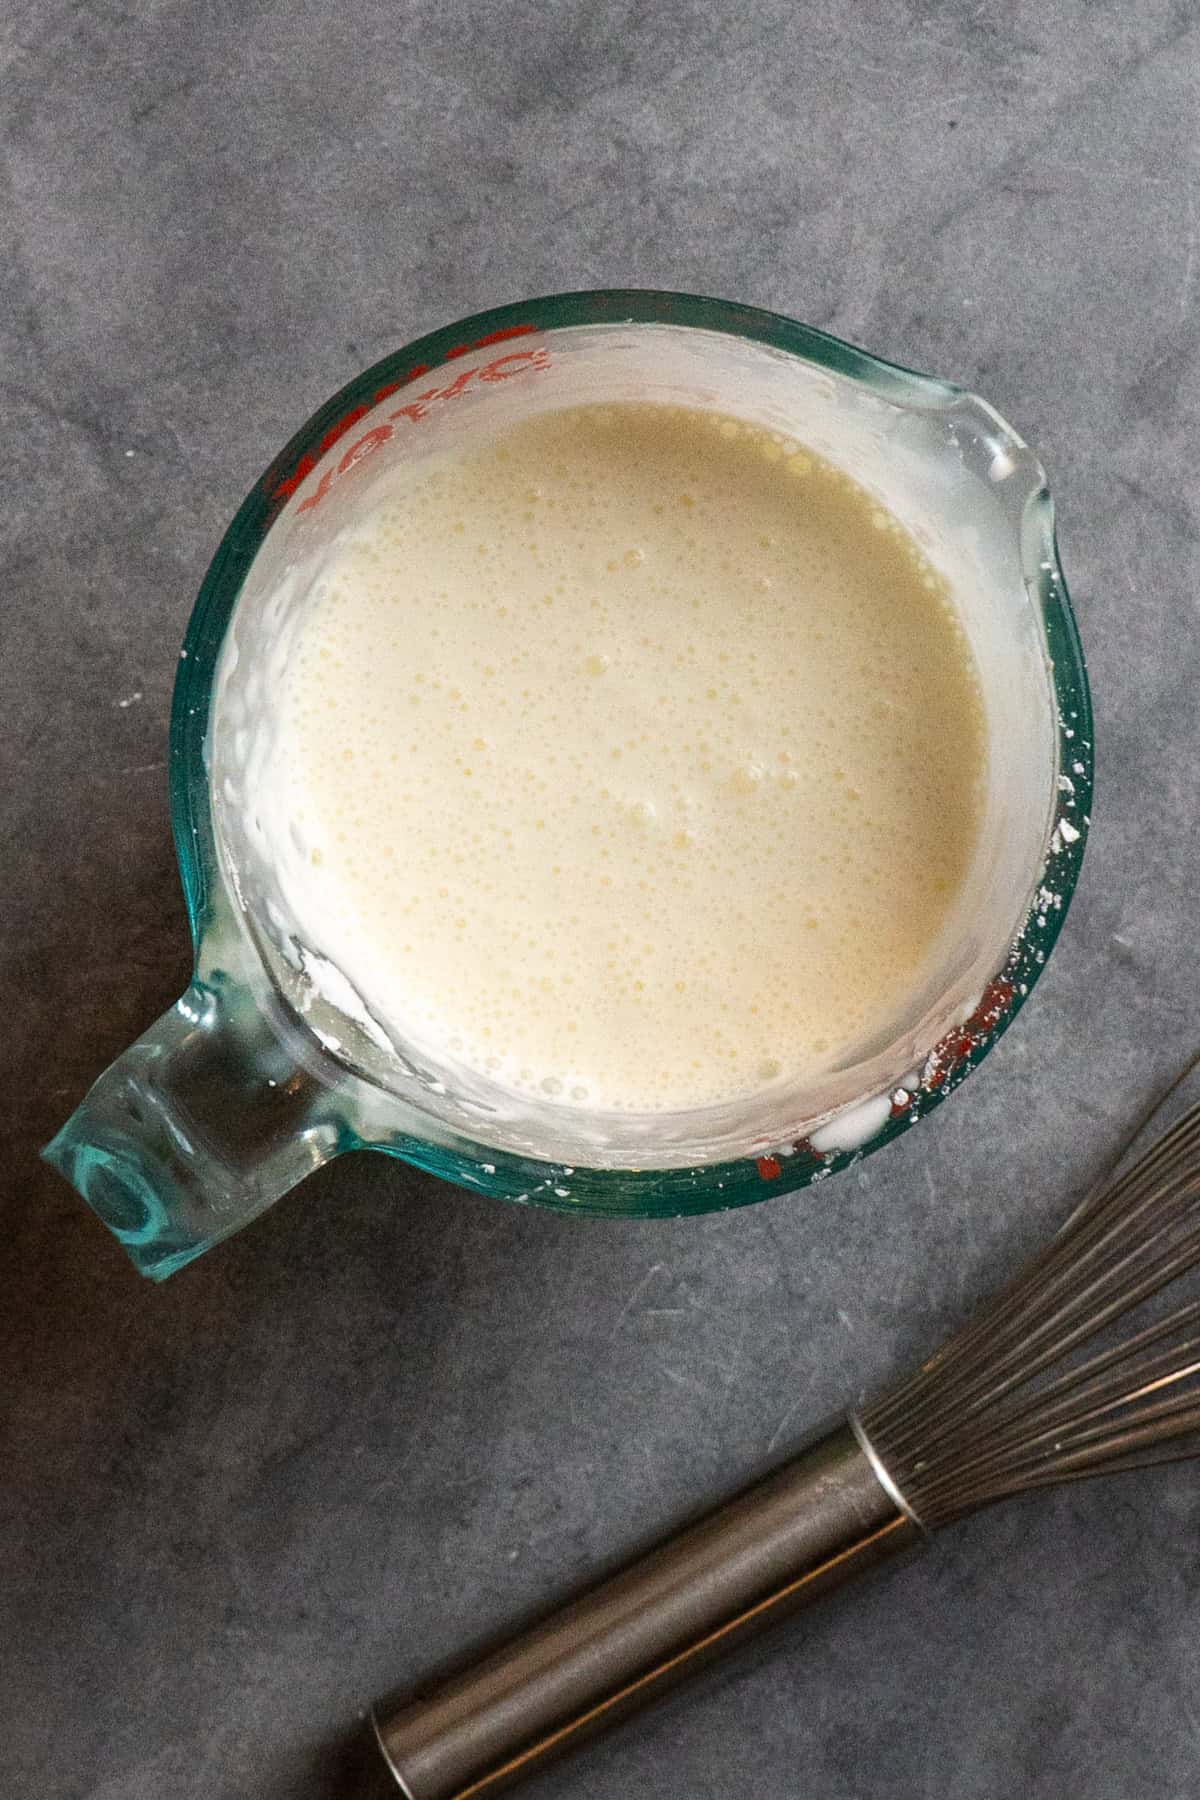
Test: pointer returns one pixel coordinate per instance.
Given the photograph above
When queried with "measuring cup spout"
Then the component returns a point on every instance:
(199, 1126)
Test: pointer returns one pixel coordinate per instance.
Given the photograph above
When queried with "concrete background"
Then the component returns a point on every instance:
(392, 1417)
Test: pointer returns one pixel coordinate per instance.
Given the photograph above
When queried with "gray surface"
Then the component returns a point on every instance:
(390, 1417)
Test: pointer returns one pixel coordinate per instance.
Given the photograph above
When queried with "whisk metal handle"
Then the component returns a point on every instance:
(806, 1528)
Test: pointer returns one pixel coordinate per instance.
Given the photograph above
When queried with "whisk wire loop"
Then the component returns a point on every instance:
(1010, 1404)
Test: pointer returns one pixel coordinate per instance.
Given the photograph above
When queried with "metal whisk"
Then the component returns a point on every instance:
(1029, 1394)
(1008, 1404)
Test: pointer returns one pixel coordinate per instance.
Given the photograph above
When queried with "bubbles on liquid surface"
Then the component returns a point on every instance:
(634, 773)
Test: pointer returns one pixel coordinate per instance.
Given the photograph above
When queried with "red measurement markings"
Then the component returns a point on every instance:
(501, 368)
(953, 1049)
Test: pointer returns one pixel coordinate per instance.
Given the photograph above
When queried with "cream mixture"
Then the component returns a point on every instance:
(635, 759)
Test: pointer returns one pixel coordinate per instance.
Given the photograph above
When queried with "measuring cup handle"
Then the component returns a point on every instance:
(202, 1123)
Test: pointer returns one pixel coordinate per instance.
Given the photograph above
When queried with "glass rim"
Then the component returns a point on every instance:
(748, 1178)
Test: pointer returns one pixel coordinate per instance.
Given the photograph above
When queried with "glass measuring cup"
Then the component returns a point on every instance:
(272, 1063)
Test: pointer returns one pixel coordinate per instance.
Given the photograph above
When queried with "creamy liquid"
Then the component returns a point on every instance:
(636, 760)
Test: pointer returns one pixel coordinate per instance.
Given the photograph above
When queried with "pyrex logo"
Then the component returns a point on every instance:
(502, 368)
